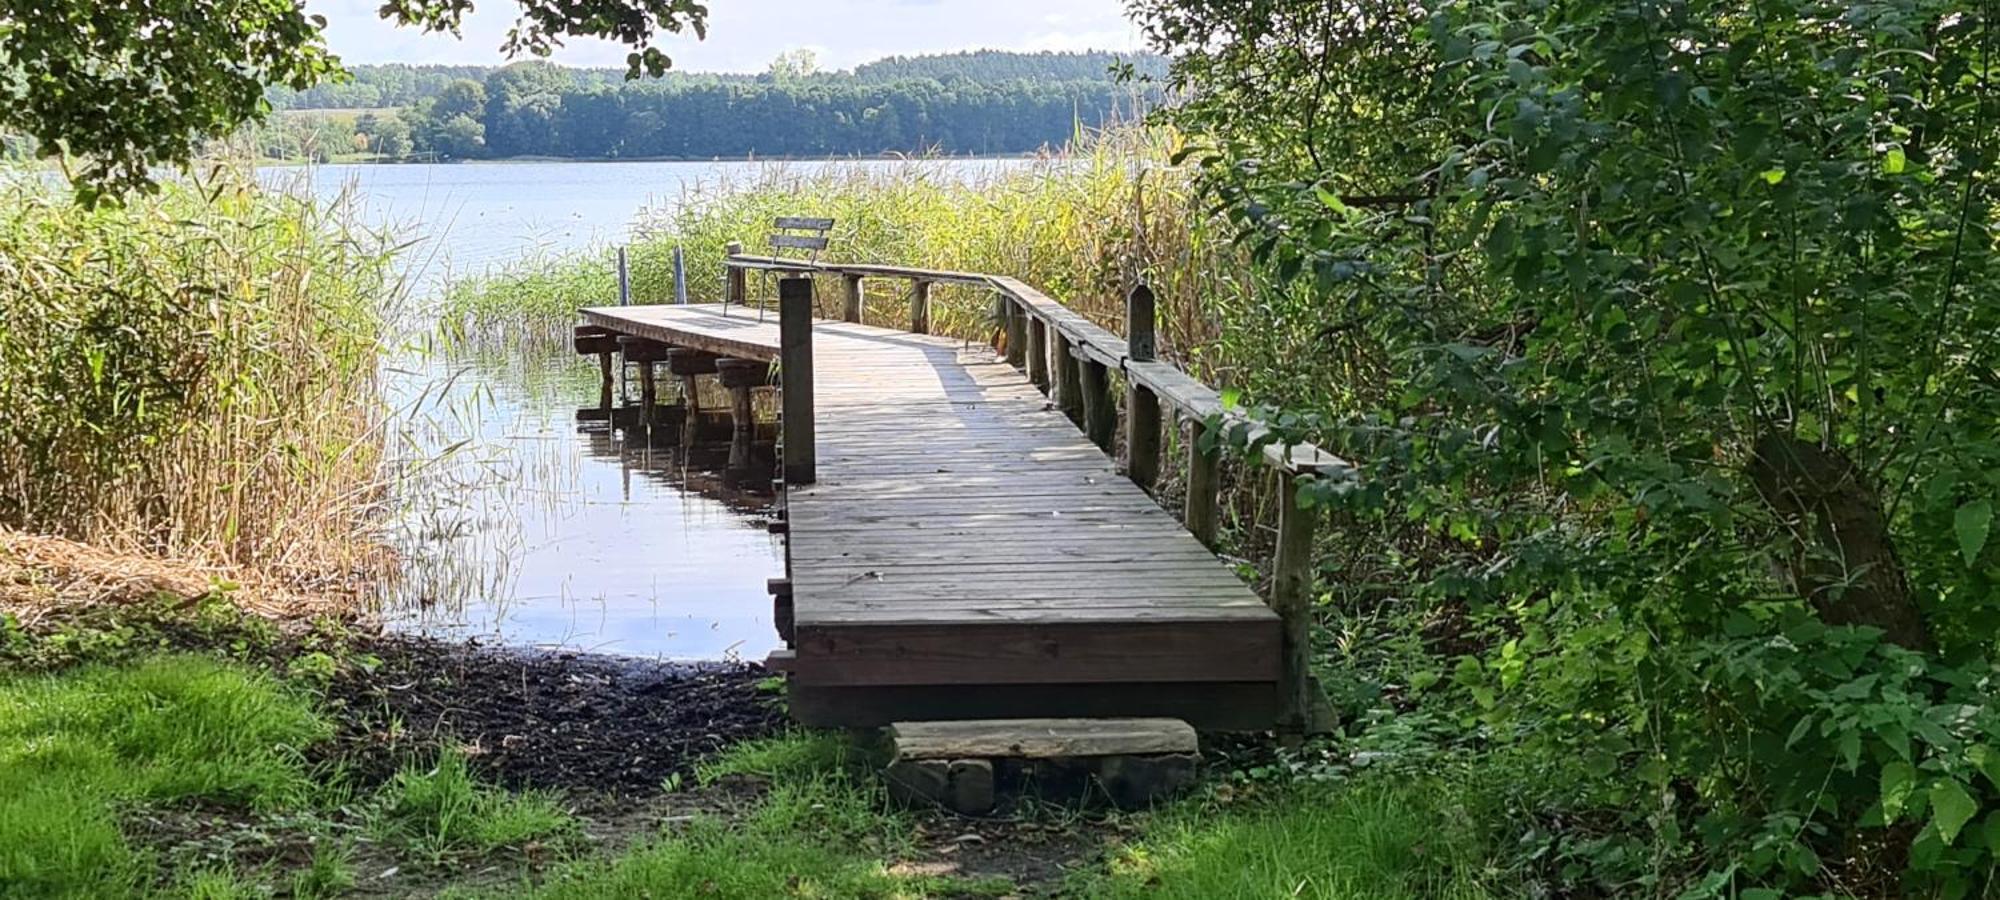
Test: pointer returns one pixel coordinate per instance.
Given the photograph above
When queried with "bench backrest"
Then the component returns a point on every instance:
(796, 233)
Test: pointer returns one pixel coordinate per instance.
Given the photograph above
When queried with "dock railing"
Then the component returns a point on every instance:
(1071, 358)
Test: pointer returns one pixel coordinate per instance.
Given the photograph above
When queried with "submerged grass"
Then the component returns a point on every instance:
(193, 374)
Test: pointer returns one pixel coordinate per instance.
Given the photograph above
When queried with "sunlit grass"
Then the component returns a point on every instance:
(1369, 839)
(437, 807)
(77, 746)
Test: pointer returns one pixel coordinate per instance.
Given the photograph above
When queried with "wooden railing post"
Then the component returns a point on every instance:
(795, 359)
(735, 285)
(856, 298)
(1100, 414)
(1142, 406)
(1069, 380)
(1017, 332)
(1202, 484)
(1038, 353)
(1291, 599)
(920, 307)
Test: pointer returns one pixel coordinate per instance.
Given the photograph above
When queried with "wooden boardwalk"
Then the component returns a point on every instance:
(966, 552)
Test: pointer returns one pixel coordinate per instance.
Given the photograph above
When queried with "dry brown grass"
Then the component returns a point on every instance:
(41, 573)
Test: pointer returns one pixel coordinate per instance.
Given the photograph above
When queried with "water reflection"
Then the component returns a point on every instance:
(520, 524)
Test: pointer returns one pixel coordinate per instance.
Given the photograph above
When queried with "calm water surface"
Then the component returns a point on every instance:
(516, 523)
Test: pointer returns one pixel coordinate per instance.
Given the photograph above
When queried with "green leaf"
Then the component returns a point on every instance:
(1773, 176)
(1973, 521)
(1893, 163)
(1951, 808)
(1897, 779)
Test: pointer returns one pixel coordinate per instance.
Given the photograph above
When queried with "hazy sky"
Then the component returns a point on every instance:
(744, 35)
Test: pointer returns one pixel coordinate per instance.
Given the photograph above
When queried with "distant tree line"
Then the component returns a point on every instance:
(984, 102)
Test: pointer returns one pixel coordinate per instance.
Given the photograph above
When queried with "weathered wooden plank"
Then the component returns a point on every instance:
(1041, 738)
(954, 652)
(798, 242)
(801, 223)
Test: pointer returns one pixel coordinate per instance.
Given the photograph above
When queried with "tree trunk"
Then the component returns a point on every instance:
(1843, 560)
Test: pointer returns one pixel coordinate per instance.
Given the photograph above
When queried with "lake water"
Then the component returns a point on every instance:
(517, 524)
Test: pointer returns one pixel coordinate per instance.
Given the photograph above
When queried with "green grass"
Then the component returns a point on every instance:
(1374, 838)
(437, 808)
(76, 747)
(822, 829)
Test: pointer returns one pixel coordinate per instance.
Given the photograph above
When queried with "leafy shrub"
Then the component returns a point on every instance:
(1658, 333)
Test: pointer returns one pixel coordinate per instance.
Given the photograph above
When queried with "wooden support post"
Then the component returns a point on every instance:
(1202, 484)
(795, 351)
(1017, 333)
(781, 606)
(856, 298)
(604, 384)
(688, 364)
(735, 285)
(1142, 406)
(1100, 414)
(920, 307)
(739, 376)
(1038, 353)
(1069, 384)
(649, 399)
(1291, 599)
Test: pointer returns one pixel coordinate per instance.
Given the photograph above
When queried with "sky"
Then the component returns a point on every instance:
(745, 35)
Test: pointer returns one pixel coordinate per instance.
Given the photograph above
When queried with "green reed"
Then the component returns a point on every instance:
(194, 373)
(1083, 225)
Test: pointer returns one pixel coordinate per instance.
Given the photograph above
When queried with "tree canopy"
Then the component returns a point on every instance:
(124, 86)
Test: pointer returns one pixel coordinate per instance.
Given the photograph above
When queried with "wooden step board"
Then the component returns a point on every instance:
(967, 553)
(1041, 738)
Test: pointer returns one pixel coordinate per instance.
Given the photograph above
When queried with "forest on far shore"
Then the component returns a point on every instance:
(984, 102)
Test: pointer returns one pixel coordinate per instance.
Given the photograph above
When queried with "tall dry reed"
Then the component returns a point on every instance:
(193, 374)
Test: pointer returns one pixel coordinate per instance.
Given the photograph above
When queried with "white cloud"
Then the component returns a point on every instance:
(744, 35)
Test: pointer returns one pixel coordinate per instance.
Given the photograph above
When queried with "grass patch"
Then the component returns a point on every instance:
(710, 860)
(823, 829)
(74, 747)
(1373, 838)
(439, 808)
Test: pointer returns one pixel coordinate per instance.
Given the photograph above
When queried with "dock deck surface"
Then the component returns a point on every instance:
(966, 552)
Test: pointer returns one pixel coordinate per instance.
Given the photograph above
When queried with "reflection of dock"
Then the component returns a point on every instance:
(698, 468)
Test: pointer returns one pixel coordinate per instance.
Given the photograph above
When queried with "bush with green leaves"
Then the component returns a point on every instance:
(1663, 338)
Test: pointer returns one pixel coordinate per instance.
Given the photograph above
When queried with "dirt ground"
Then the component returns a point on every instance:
(617, 738)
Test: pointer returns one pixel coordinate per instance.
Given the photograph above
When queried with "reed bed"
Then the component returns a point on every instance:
(1083, 225)
(193, 376)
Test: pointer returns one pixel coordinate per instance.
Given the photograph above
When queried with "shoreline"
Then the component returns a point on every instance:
(544, 160)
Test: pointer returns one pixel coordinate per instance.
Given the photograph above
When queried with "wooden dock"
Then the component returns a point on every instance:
(959, 548)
